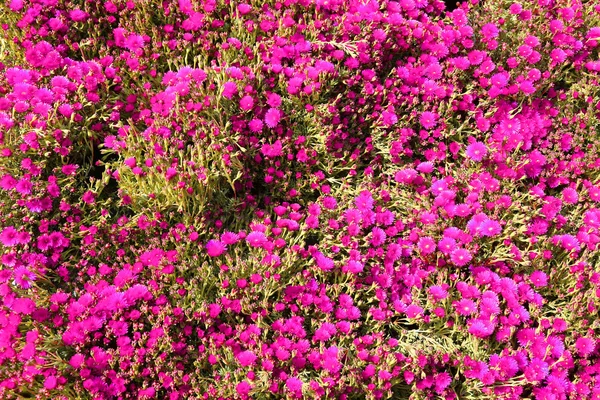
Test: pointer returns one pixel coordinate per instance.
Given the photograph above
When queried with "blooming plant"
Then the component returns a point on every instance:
(341, 199)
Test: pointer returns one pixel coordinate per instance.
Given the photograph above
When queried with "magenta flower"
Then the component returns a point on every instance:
(246, 103)
(329, 203)
(294, 385)
(88, 197)
(230, 238)
(215, 248)
(246, 358)
(490, 228)
(389, 118)
(539, 278)
(274, 100)
(570, 196)
(272, 117)
(24, 277)
(229, 89)
(428, 119)
(354, 267)
(460, 257)
(414, 311)
(585, 346)
(536, 371)
(442, 381)
(378, 237)
(465, 307)
(255, 125)
(481, 328)
(256, 239)
(324, 263)
(243, 388)
(426, 245)
(9, 237)
(489, 31)
(447, 245)
(476, 151)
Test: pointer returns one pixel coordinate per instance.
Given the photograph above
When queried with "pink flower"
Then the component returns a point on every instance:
(324, 263)
(256, 239)
(442, 381)
(585, 346)
(378, 237)
(24, 277)
(272, 117)
(325, 332)
(246, 103)
(476, 151)
(538, 278)
(536, 371)
(570, 196)
(230, 238)
(215, 248)
(9, 236)
(389, 118)
(88, 197)
(438, 292)
(354, 266)
(243, 388)
(414, 311)
(229, 89)
(274, 100)
(329, 203)
(50, 382)
(489, 31)
(447, 245)
(24, 186)
(428, 119)
(465, 307)
(77, 15)
(490, 228)
(76, 361)
(426, 245)
(246, 358)
(255, 125)
(481, 328)
(244, 8)
(460, 257)
(294, 385)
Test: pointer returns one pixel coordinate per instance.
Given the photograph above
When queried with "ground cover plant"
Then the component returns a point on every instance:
(319, 199)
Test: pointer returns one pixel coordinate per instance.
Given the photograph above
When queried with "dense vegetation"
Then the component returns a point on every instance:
(335, 199)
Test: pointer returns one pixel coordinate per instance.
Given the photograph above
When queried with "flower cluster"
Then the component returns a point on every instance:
(299, 199)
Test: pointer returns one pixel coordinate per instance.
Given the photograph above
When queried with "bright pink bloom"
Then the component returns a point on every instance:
(256, 239)
(215, 248)
(243, 388)
(476, 151)
(294, 385)
(246, 103)
(465, 307)
(246, 358)
(539, 278)
(426, 245)
(272, 117)
(428, 119)
(461, 257)
(88, 197)
(585, 346)
(273, 100)
(229, 89)
(9, 236)
(255, 125)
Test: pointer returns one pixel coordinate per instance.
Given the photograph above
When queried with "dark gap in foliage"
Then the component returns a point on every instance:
(310, 240)
(451, 5)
